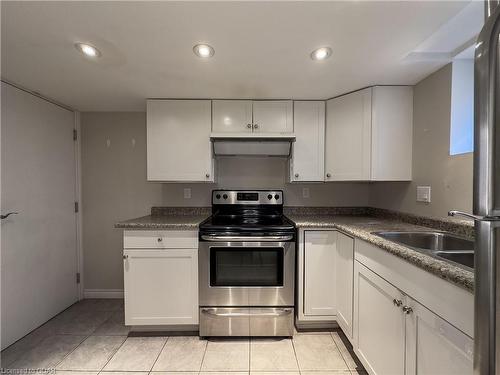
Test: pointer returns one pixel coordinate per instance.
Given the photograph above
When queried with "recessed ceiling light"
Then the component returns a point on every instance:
(321, 53)
(203, 50)
(87, 49)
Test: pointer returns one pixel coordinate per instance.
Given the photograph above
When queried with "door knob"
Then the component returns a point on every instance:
(125, 257)
(207, 175)
(249, 126)
(328, 175)
(7, 215)
(255, 126)
(296, 175)
(397, 302)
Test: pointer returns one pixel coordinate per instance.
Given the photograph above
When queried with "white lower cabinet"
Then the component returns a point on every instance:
(396, 335)
(161, 284)
(379, 324)
(344, 275)
(434, 346)
(319, 280)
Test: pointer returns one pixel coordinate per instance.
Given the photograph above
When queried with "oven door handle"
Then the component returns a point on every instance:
(278, 312)
(219, 238)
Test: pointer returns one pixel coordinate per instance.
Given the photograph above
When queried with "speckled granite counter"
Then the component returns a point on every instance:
(363, 226)
(180, 218)
(180, 222)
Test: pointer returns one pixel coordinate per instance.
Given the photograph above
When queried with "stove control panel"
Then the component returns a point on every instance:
(248, 197)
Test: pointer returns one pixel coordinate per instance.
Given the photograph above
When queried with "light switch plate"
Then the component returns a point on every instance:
(305, 193)
(424, 194)
(187, 193)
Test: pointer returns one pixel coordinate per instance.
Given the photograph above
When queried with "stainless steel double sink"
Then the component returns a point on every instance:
(442, 245)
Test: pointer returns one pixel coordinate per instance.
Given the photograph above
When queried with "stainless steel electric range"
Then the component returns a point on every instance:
(247, 266)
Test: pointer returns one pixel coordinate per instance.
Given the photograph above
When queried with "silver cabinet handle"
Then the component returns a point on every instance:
(328, 175)
(397, 302)
(207, 175)
(246, 238)
(407, 310)
(160, 239)
(7, 215)
(249, 126)
(296, 175)
(255, 126)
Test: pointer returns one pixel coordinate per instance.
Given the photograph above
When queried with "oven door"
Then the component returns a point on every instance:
(240, 273)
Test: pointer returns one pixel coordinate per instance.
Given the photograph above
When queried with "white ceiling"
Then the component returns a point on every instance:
(262, 48)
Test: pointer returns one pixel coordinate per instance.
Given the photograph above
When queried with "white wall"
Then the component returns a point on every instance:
(115, 188)
(450, 177)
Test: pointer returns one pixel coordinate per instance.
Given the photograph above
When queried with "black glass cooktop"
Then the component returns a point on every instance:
(247, 222)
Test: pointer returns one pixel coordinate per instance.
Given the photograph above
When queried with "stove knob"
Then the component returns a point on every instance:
(269, 197)
(224, 196)
(276, 197)
(217, 196)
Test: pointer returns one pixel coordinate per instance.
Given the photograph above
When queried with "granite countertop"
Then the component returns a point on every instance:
(363, 226)
(172, 221)
(358, 222)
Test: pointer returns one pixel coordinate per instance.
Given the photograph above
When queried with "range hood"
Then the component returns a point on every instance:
(225, 144)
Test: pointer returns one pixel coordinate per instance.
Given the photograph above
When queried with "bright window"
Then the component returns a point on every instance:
(462, 107)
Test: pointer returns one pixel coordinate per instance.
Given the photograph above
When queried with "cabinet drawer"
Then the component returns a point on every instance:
(160, 239)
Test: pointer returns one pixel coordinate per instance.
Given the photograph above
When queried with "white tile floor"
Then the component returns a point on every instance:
(90, 338)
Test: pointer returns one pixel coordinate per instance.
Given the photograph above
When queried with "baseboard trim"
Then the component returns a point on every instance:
(103, 293)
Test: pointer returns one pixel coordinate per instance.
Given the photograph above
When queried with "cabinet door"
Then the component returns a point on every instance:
(161, 286)
(344, 277)
(392, 133)
(178, 140)
(308, 155)
(319, 274)
(348, 137)
(379, 323)
(272, 116)
(434, 346)
(232, 116)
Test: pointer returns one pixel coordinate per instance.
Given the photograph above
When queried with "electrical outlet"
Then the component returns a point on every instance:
(187, 193)
(424, 194)
(305, 193)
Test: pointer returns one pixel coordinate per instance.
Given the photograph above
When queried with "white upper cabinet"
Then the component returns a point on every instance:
(392, 133)
(178, 140)
(308, 158)
(273, 116)
(348, 137)
(369, 135)
(232, 116)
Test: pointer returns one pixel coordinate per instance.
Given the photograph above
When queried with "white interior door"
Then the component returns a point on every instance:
(38, 259)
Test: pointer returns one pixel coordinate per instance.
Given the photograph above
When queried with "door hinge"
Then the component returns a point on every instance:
(78, 277)
(76, 207)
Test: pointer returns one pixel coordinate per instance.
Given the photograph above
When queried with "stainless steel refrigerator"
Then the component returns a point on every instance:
(486, 202)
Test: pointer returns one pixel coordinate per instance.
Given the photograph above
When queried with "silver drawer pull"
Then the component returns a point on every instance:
(210, 237)
(279, 312)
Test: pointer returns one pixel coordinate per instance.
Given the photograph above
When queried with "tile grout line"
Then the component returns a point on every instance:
(158, 356)
(85, 339)
(203, 358)
(111, 357)
(295, 354)
(340, 352)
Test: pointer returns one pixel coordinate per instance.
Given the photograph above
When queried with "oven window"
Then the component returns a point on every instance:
(248, 266)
